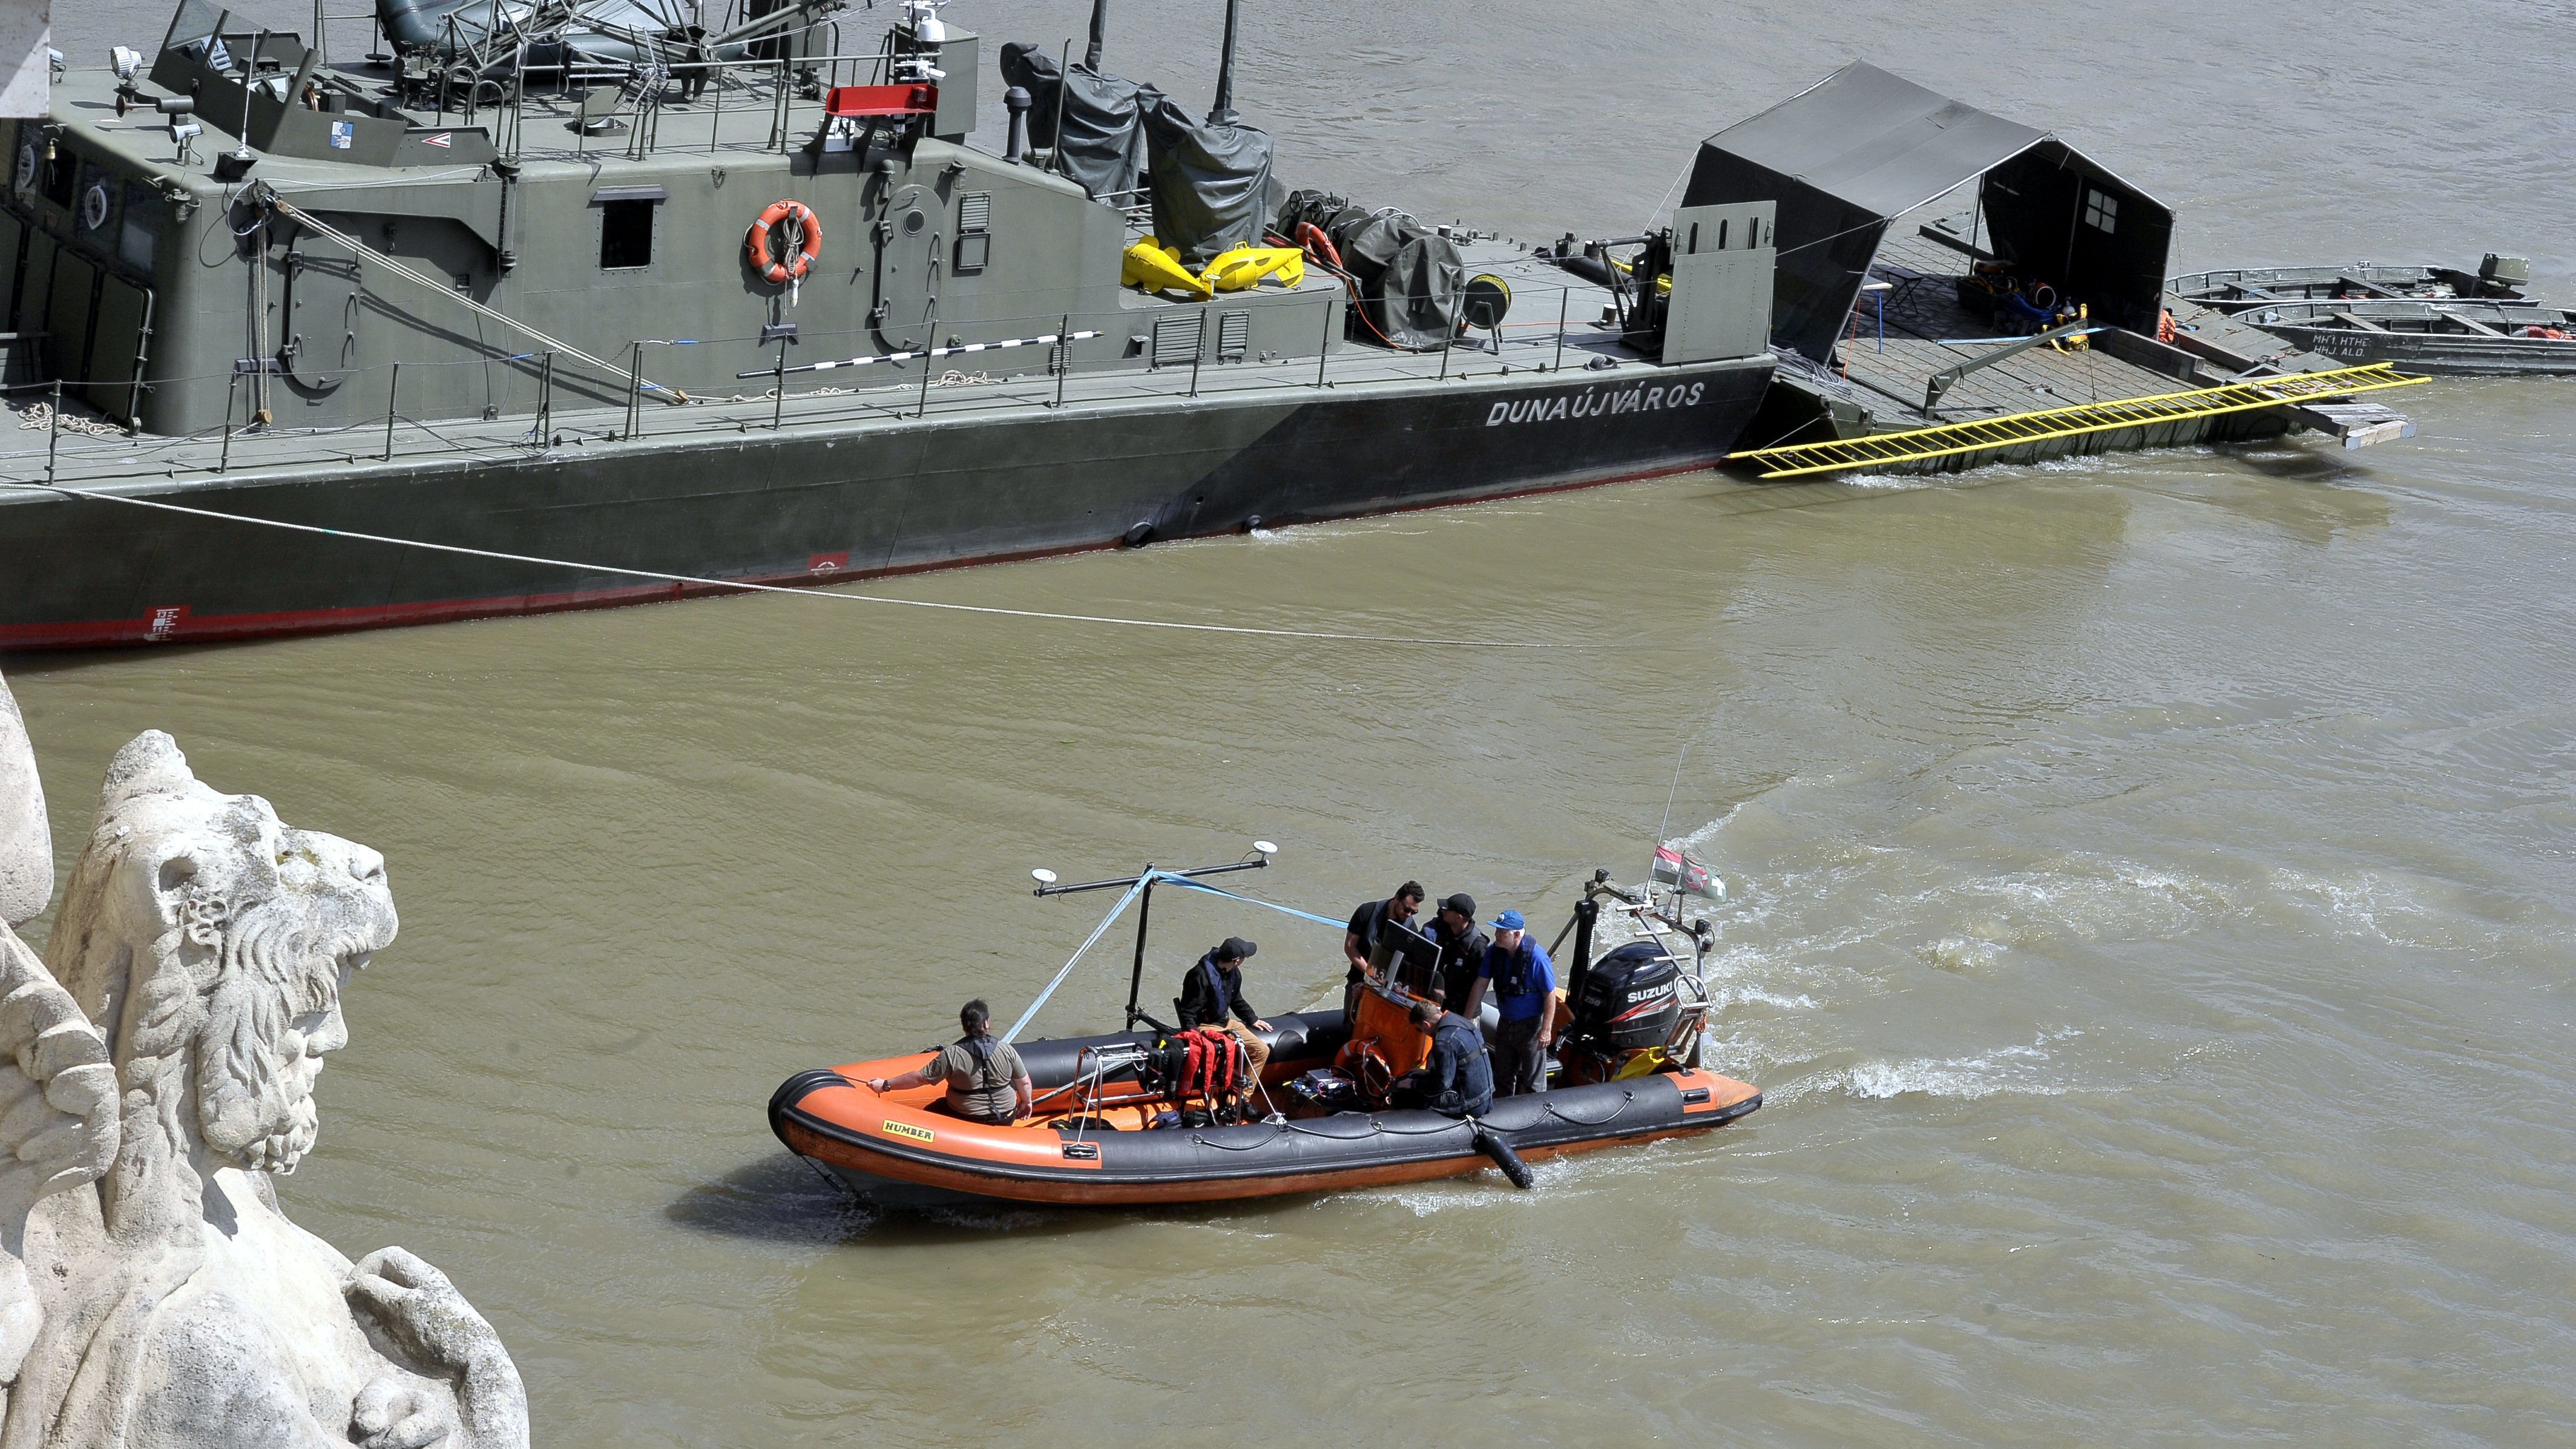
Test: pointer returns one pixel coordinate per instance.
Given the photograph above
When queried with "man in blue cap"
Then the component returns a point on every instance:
(1523, 980)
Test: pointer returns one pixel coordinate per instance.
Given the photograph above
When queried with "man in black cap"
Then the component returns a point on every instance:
(1212, 995)
(1462, 949)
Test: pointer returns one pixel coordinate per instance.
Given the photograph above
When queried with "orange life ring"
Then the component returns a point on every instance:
(806, 241)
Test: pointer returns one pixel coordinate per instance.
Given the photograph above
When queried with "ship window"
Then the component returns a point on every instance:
(134, 243)
(625, 234)
(1721, 233)
(2101, 210)
(97, 208)
(62, 177)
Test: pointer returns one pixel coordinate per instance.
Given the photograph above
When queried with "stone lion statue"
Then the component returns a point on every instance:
(156, 1075)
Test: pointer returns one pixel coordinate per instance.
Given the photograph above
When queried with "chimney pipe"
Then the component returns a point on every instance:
(1223, 113)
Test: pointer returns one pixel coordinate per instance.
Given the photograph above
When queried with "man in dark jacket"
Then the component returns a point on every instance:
(1458, 1080)
(1212, 995)
(1368, 923)
(1462, 949)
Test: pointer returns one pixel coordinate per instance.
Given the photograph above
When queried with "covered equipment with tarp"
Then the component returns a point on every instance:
(1101, 147)
(1847, 156)
(1409, 277)
(1211, 181)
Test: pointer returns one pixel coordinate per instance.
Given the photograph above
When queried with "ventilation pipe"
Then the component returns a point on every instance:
(1016, 101)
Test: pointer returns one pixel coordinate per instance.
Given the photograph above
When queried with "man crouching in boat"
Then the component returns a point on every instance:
(986, 1082)
(1458, 1081)
(1212, 995)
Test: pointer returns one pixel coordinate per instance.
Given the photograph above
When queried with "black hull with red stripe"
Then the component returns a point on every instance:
(821, 503)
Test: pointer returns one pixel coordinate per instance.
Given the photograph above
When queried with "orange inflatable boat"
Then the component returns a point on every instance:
(1136, 1117)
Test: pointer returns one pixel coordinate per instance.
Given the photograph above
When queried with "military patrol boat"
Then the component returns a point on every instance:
(558, 305)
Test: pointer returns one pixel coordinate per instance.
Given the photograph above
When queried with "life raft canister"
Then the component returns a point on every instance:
(806, 241)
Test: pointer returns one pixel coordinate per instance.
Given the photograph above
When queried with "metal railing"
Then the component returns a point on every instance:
(539, 401)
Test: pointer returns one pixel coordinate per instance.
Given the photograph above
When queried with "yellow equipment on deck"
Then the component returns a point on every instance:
(1156, 268)
(1880, 450)
(1242, 267)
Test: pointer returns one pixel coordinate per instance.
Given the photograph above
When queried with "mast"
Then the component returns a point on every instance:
(1222, 114)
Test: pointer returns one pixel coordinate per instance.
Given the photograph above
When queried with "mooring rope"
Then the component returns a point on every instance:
(1186, 882)
(700, 581)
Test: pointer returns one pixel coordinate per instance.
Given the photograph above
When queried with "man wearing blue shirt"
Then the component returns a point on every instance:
(1523, 980)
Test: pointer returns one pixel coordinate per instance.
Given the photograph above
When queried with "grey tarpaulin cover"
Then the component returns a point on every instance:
(1849, 154)
(1409, 275)
(1103, 149)
(1211, 182)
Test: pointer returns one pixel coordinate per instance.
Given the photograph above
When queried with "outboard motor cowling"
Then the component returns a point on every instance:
(1630, 999)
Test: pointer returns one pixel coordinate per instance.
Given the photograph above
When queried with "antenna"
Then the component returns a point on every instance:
(1666, 823)
(1264, 849)
(1222, 114)
(1044, 877)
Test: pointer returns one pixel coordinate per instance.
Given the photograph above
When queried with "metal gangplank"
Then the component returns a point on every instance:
(1880, 450)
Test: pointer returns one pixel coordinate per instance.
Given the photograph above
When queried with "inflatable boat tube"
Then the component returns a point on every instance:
(896, 1149)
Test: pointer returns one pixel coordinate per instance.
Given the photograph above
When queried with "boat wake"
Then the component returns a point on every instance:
(2022, 1070)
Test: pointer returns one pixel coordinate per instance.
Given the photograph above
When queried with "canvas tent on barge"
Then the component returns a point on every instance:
(1920, 240)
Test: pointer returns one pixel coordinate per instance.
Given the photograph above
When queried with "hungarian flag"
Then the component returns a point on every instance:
(1676, 869)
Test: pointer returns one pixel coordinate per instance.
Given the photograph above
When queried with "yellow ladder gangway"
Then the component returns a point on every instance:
(1879, 450)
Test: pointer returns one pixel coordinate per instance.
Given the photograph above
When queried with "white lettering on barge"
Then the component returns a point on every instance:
(1596, 403)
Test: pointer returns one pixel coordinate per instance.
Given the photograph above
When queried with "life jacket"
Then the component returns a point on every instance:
(1211, 1065)
(981, 1049)
(1216, 989)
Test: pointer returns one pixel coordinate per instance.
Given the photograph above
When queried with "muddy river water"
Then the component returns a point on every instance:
(2150, 878)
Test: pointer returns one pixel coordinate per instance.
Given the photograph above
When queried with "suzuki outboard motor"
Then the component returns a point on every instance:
(1629, 1001)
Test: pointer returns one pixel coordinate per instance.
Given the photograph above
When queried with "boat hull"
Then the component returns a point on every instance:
(892, 1152)
(824, 503)
(2444, 354)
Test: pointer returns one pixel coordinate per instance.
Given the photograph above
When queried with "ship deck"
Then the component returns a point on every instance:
(1927, 330)
(589, 409)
